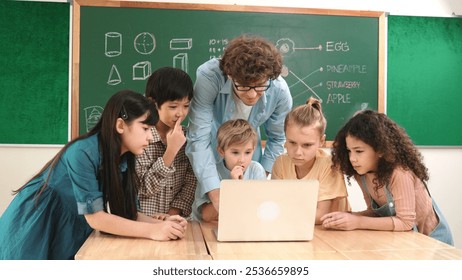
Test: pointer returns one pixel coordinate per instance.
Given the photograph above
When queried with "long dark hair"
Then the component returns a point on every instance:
(384, 136)
(121, 195)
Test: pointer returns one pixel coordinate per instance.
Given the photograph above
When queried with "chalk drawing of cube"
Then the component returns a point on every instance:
(141, 70)
(181, 61)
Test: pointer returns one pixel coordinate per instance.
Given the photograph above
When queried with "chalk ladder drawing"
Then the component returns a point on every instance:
(112, 44)
(145, 43)
(92, 116)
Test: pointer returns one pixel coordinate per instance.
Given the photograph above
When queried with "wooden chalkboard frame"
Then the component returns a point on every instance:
(381, 16)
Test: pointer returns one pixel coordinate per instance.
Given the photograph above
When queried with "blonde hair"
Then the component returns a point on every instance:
(307, 114)
(237, 131)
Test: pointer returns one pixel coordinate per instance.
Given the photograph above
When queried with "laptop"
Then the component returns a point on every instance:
(267, 210)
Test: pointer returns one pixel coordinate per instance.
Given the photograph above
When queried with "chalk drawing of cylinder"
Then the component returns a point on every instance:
(181, 61)
(113, 44)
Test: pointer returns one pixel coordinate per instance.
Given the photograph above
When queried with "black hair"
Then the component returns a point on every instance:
(169, 84)
(121, 196)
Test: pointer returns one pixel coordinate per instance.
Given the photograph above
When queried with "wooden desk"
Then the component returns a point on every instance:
(387, 245)
(200, 243)
(406, 254)
(316, 249)
(101, 246)
(335, 245)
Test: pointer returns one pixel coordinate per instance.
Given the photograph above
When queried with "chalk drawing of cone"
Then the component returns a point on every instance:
(114, 76)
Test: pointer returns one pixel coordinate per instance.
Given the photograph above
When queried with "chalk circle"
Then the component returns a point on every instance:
(285, 46)
(145, 43)
(268, 211)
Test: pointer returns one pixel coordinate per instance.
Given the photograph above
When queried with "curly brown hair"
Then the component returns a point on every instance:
(250, 59)
(384, 136)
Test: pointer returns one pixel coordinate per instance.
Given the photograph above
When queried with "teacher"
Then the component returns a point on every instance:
(244, 84)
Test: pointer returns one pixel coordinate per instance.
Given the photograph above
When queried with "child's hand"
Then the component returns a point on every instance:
(178, 219)
(237, 173)
(176, 137)
(160, 216)
(167, 230)
(340, 221)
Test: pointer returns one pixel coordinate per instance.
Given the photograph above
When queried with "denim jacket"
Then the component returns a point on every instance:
(213, 104)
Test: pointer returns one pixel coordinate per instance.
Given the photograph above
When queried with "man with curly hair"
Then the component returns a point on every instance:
(244, 84)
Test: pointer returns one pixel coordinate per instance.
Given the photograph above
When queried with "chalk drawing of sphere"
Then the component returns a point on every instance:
(145, 43)
(285, 46)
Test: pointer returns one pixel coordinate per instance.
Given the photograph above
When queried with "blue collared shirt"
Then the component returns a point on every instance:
(213, 104)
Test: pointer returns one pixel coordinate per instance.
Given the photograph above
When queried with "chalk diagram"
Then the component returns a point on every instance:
(287, 46)
(114, 76)
(92, 116)
(217, 46)
(141, 70)
(181, 60)
(145, 43)
(112, 44)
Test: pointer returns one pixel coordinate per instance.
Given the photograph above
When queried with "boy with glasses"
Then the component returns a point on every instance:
(244, 84)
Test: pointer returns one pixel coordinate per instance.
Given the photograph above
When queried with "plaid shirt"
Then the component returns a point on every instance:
(165, 187)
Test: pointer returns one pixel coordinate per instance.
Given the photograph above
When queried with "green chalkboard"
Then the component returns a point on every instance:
(334, 58)
(34, 70)
(424, 90)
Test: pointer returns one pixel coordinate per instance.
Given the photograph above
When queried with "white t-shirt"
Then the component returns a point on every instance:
(242, 111)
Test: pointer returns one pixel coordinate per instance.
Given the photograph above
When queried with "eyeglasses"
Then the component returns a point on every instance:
(256, 88)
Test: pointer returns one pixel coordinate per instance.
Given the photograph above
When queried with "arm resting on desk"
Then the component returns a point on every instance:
(169, 229)
(349, 221)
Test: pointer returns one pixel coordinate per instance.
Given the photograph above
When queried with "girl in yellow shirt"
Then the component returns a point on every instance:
(304, 128)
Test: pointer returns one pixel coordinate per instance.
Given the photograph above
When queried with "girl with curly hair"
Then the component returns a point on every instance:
(382, 158)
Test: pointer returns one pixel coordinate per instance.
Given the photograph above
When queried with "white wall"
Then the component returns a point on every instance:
(18, 163)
